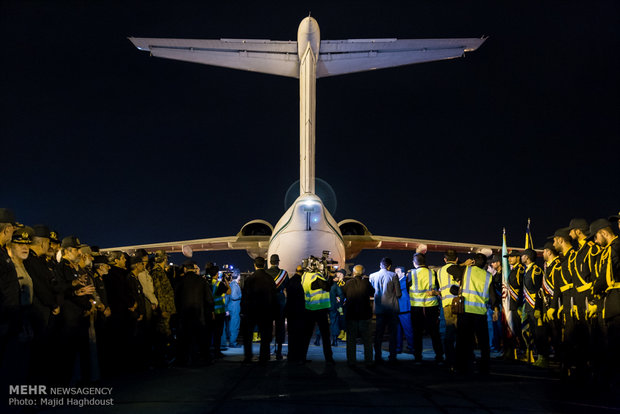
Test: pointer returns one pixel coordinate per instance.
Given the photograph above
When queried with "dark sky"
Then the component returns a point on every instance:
(102, 141)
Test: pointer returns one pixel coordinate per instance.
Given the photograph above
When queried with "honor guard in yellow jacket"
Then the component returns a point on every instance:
(532, 281)
(563, 297)
(548, 331)
(607, 287)
(424, 299)
(472, 326)
(316, 291)
(515, 291)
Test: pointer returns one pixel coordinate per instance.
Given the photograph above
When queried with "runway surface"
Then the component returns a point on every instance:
(228, 386)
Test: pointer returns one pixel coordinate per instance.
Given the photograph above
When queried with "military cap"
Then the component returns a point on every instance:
(274, 259)
(71, 241)
(614, 218)
(54, 237)
(513, 253)
(22, 236)
(548, 246)
(341, 270)
(529, 253)
(597, 225)
(564, 232)
(578, 223)
(7, 216)
(41, 230)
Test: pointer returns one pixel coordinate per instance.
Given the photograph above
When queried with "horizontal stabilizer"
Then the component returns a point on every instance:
(338, 57)
(264, 56)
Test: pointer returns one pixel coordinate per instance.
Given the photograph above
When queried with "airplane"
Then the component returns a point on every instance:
(307, 228)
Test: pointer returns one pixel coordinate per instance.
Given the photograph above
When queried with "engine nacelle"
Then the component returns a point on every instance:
(351, 227)
(256, 228)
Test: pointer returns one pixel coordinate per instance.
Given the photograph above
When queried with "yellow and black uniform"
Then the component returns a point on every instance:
(316, 293)
(424, 310)
(280, 277)
(548, 333)
(515, 293)
(607, 285)
(532, 281)
(563, 298)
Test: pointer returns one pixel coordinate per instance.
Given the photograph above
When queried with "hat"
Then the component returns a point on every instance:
(7, 216)
(597, 225)
(495, 258)
(549, 246)
(274, 259)
(341, 270)
(54, 237)
(22, 236)
(41, 230)
(578, 223)
(513, 253)
(71, 241)
(529, 253)
(564, 232)
(614, 218)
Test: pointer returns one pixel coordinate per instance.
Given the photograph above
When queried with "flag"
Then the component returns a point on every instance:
(529, 243)
(505, 294)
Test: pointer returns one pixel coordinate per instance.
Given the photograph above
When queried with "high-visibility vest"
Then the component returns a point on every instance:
(218, 301)
(422, 281)
(316, 299)
(475, 291)
(445, 281)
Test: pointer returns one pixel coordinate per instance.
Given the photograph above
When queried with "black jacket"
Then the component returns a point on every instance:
(193, 298)
(357, 293)
(258, 299)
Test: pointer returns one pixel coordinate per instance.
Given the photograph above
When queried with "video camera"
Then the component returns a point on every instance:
(322, 265)
(226, 272)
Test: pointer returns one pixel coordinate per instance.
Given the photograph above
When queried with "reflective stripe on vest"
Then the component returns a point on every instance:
(218, 301)
(476, 290)
(315, 298)
(445, 281)
(422, 282)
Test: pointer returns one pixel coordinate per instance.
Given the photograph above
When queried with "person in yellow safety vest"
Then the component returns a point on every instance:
(607, 287)
(445, 282)
(424, 299)
(316, 291)
(477, 293)
(532, 281)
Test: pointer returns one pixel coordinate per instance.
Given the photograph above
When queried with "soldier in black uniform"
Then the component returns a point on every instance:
(548, 334)
(582, 268)
(295, 310)
(280, 277)
(607, 286)
(532, 281)
(515, 287)
(562, 299)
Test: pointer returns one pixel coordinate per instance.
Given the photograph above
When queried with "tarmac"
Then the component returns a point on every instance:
(228, 386)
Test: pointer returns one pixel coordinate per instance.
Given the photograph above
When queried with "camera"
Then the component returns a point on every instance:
(322, 265)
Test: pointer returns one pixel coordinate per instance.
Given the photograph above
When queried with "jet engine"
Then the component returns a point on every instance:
(351, 227)
(256, 228)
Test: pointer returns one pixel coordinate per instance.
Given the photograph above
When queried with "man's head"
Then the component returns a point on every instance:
(450, 256)
(161, 257)
(190, 266)
(419, 260)
(400, 271)
(136, 264)
(259, 263)
(480, 260)
(528, 256)
(274, 260)
(514, 258)
(358, 270)
(549, 252)
(70, 248)
(7, 225)
(496, 262)
(19, 245)
(340, 274)
(577, 229)
(86, 256)
(386, 263)
(299, 270)
(601, 231)
(561, 239)
(118, 259)
(40, 240)
(101, 266)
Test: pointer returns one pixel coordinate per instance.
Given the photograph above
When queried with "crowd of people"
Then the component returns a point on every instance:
(70, 313)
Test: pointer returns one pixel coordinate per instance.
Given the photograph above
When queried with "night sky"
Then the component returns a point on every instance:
(102, 141)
